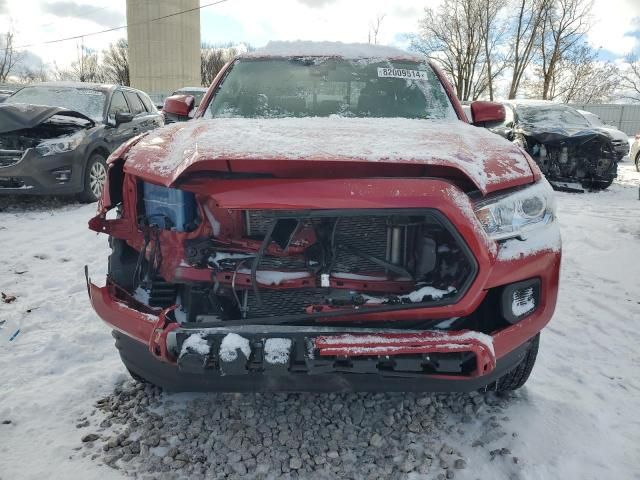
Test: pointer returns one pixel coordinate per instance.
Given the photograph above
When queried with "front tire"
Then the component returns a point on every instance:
(94, 177)
(517, 377)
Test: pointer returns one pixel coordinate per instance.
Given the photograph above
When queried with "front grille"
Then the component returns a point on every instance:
(282, 302)
(370, 258)
(10, 157)
(365, 234)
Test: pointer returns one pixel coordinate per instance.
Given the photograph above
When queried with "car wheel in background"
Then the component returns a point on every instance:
(94, 177)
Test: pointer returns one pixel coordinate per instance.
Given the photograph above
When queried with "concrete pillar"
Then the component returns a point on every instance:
(165, 54)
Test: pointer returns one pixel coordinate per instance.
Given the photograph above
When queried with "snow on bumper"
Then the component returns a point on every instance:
(312, 350)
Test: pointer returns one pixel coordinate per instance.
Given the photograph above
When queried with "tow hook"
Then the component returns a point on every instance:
(158, 340)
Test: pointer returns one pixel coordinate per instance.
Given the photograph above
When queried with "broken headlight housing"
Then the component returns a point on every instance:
(514, 214)
(60, 144)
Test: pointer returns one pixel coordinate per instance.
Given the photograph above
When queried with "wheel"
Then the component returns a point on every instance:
(638, 161)
(94, 177)
(517, 377)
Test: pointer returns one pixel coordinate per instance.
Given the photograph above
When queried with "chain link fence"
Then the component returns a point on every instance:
(625, 118)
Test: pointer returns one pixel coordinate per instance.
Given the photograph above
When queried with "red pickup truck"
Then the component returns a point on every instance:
(328, 221)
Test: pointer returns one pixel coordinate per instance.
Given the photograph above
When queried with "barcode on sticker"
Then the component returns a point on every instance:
(401, 73)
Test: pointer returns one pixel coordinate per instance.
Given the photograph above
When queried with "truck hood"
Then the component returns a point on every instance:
(329, 147)
(18, 116)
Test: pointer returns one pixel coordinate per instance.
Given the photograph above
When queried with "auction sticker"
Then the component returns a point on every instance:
(401, 73)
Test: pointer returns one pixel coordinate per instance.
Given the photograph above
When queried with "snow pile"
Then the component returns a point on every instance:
(218, 257)
(275, 277)
(427, 291)
(276, 350)
(544, 239)
(331, 49)
(196, 343)
(231, 343)
(484, 157)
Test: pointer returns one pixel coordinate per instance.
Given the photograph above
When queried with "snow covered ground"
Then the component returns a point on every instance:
(577, 418)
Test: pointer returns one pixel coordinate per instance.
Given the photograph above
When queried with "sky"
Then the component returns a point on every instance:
(616, 27)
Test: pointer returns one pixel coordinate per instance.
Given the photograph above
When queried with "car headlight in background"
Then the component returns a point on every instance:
(60, 144)
(514, 214)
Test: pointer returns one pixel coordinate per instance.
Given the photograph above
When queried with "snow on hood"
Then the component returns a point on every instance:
(17, 116)
(488, 160)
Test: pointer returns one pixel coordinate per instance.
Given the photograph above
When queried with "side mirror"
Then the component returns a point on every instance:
(179, 106)
(123, 117)
(487, 112)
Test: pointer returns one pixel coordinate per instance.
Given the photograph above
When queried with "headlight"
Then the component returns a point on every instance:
(60, 144)
(513, 214)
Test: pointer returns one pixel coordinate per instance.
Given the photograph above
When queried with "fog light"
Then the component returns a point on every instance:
(519, 300)
(62, 176)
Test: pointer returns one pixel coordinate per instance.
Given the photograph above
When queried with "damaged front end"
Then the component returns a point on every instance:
(572, 160)
(238, 287)
(35, 146)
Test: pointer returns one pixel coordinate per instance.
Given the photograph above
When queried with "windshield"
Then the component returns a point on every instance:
(593, 120)
(87, 101)
(550, 116)
(320, 87)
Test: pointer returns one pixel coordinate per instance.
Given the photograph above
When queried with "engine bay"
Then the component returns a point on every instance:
(270, 263)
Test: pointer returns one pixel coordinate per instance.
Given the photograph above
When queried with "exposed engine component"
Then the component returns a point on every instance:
(306, 263)
(592, 163)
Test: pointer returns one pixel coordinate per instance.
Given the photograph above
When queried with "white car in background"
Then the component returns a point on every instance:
(620, 139)
(634, 154)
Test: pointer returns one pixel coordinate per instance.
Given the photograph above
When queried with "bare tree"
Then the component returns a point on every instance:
(527, 23)
(451, 36)
(579, 78)
(492, 32)
(9, 57)
(116, 63)
(86, 68)
(212, 59)
(33, 74)
(630, 78)
(374, 28)
(564, 26)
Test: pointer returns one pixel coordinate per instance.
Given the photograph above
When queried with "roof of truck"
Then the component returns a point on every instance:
(330, 49)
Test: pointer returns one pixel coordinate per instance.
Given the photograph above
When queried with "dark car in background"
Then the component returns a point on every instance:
(55, 137)
(619, 139)
(570, 152)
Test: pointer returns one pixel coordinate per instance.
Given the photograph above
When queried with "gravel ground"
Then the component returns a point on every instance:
(149, 434)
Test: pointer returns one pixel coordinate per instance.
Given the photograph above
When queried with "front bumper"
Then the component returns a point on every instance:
(33, 174)
(151, 346)
(621, 149)
(140, 361)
